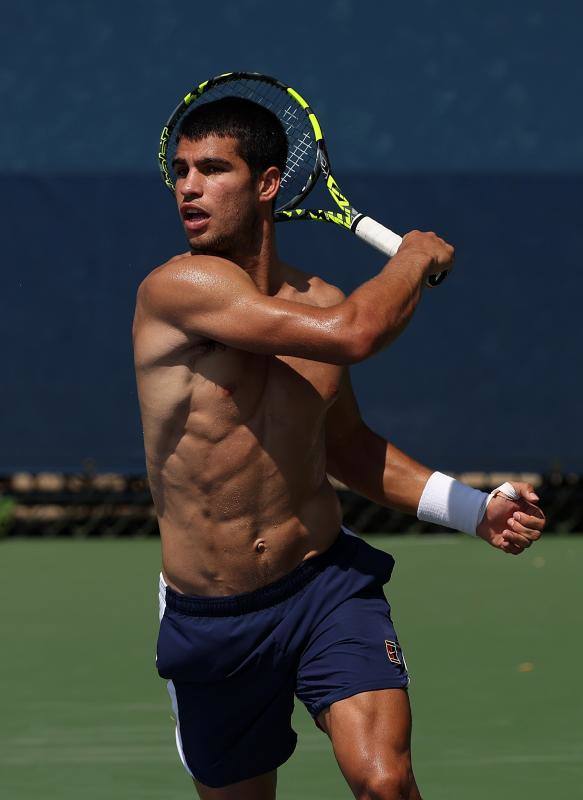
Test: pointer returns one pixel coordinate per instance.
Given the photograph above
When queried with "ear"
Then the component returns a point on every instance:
(268, 184)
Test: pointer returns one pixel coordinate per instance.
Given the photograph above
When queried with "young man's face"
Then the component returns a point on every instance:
(216, 195)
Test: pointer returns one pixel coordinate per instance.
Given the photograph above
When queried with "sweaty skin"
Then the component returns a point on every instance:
(241, 364)
(238, 358)
(235, 452)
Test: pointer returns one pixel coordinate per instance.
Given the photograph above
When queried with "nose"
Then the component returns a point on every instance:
(192, 184)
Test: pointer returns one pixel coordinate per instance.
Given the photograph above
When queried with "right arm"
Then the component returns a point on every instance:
(213, 298)
(384, 305)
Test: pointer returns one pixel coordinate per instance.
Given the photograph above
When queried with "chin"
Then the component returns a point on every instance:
(207, 246)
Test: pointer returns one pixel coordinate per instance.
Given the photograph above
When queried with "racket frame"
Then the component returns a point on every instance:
(363, 226)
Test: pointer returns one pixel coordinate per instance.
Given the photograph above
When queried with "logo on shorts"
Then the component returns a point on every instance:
(392, 652)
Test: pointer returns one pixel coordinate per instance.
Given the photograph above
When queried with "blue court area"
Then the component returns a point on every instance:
(492, 643)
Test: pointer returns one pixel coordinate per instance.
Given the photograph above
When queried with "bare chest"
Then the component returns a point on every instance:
(241, 380)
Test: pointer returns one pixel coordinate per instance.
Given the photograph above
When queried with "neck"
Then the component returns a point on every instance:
(261, 261)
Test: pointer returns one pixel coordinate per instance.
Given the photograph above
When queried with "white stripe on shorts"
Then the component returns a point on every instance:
(161, 596)
(172, 693)
(170, 684)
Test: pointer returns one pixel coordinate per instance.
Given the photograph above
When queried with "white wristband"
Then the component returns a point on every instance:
(451, 503)
(448, 502)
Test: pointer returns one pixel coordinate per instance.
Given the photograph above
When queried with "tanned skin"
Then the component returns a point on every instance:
(247, 407)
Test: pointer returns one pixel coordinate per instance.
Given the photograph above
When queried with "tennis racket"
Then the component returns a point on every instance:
(307, 156)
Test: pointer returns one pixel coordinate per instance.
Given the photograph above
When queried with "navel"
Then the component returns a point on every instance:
(260, 545)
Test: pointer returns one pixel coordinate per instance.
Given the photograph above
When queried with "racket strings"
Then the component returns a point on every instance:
(302, 149)
(299, 156)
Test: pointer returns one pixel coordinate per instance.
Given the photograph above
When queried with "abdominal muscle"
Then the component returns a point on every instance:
(236, 458)
(212, 548)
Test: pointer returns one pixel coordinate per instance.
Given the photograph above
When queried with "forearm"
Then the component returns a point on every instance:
(378, 470)
(369, 465)
(384, 305)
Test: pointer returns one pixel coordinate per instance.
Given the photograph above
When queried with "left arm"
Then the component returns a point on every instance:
(365, 462)
(374, 468)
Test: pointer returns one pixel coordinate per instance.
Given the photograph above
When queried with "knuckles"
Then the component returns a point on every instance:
(429, 242)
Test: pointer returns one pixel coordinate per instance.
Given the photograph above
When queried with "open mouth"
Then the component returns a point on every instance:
(194, 218)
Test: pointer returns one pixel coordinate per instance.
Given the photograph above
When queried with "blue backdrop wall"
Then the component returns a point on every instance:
(468, 124)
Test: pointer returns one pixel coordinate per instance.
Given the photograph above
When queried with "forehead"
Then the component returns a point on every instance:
(209, 147)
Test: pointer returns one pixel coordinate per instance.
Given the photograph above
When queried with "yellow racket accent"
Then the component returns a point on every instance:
(334, 190)
(344, 220)
(311, 116)
(196, 94)
(297, 97)
(316, 126)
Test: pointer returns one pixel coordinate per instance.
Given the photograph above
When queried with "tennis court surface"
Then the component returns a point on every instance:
(493, 644)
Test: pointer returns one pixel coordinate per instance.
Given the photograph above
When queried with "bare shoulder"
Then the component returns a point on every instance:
(185, 272)
(187, 265)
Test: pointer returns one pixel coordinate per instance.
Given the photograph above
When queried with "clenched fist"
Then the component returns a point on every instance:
(438, 253)
(513, 525)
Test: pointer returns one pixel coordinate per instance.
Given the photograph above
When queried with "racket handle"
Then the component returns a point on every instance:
(385, 240)
(377, 235)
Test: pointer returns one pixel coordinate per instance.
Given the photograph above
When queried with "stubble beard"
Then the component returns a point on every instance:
(240, 242)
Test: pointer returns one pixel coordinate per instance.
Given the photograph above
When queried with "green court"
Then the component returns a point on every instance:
(493, 644)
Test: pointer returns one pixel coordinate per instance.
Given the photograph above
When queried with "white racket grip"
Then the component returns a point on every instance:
(378, 236)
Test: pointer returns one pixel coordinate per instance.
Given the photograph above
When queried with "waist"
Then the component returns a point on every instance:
(209, 558)
(268, 595)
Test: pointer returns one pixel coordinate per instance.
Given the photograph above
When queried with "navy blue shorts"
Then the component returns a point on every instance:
(233, 664)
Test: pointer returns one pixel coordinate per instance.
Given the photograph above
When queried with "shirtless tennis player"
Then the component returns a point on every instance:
(242, 368)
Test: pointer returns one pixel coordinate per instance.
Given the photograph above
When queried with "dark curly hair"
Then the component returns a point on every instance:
(260, 135)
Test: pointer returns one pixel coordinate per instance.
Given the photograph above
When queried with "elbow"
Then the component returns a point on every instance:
(358, 337)
(366, 340)
(359, 347)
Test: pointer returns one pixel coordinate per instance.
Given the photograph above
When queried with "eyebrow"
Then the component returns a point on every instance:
(203, 162)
